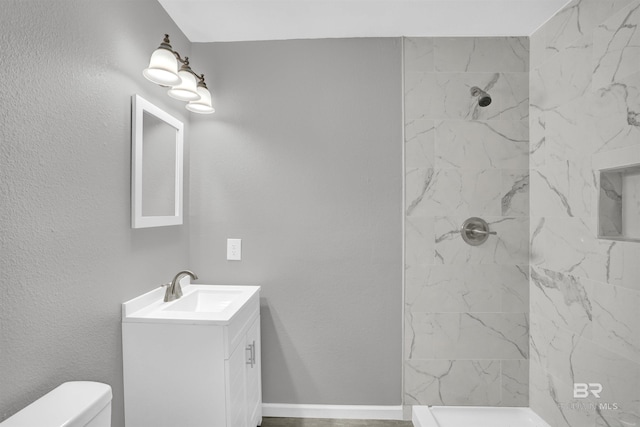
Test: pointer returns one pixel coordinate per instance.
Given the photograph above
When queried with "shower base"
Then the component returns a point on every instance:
(474, 416)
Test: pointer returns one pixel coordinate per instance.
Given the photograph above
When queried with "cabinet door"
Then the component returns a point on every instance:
(236, 396)
(253, 376)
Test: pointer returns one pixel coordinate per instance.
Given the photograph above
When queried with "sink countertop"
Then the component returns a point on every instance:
(151, 308)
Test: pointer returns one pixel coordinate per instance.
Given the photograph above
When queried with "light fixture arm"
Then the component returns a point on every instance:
(166, 44)
(184, 61)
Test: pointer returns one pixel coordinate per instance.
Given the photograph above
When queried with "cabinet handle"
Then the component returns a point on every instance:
(253, 353)
(251, 348)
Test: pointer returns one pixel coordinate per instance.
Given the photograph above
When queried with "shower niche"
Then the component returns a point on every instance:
(619, 195)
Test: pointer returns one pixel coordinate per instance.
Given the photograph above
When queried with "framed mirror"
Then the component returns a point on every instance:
(156, 166)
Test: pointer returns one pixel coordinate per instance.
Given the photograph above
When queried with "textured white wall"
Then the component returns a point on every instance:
(304, 163)
(68, 255)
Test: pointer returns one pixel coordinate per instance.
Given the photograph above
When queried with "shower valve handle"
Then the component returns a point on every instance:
(483, 232)
(475, 231)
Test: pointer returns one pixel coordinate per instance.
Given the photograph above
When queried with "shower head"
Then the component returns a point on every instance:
(484, 98)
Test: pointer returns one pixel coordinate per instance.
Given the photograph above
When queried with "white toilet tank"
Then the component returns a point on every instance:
(72, 404)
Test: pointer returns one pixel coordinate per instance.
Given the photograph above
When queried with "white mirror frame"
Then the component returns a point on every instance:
(139, 107)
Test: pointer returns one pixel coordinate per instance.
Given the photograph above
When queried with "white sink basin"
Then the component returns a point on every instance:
(200, 304)
(204, 301)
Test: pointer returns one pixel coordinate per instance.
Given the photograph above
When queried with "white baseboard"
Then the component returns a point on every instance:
(350, 412)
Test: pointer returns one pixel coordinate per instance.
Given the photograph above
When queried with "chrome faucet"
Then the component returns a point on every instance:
(174, 290)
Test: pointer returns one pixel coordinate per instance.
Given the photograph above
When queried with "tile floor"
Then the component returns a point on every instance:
(312, 422)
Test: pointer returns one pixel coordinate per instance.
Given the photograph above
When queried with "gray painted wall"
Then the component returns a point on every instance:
(466, 308)
(303, 162)
(585, 291)
(69, 257)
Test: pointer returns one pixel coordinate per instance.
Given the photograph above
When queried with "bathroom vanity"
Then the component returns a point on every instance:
(195, 361)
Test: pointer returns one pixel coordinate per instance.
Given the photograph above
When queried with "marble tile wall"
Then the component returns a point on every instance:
(585, 291)
(466, 308)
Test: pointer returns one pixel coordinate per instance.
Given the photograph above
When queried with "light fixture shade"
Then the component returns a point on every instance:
(203, 105)
(163, 68)
(187, 90)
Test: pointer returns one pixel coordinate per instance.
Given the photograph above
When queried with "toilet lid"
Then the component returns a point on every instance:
(72, 404)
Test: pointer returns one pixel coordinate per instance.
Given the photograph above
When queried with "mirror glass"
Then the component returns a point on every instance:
(156, 166)
(159, 167)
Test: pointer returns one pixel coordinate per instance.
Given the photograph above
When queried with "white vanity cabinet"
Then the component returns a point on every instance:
(192, 372)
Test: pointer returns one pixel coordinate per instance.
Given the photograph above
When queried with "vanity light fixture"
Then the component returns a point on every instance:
(185, 85)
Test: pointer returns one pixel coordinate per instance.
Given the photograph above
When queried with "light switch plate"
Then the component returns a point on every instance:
(234, 249)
